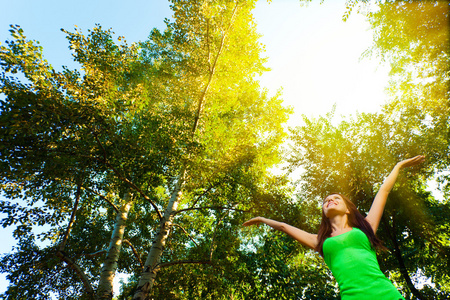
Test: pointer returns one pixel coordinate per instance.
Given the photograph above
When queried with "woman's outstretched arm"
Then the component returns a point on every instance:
(377, 208)
(305, 238)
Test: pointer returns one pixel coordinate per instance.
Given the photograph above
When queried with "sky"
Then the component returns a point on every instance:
(313, 55)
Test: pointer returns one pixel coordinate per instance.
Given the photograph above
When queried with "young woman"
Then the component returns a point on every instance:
(347, 240)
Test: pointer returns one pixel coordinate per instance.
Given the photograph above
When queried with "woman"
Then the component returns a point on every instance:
(347, 241)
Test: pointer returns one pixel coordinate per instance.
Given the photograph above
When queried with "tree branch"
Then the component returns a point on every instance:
(72, 218)
(211, 73)
(103, 197)
(132, 185)
(185, 232)
(203, 194)
(163, 265)
(136, 254)
(126, 180)
(209, 207)
(398, 255)
(207, 44)
(211, 250)
(87, 285)
(100, 143)
(99, 252)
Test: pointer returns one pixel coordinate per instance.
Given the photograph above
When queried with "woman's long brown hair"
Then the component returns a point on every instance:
(355, 219)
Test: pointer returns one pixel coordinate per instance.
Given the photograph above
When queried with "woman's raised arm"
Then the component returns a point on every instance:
(377, 208)
(305, 238)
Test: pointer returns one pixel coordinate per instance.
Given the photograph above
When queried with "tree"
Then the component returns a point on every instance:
(164, 138)
(68, 139)
(413, 36)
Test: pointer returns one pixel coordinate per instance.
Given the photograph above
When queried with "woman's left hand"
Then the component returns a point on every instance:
(411, 161)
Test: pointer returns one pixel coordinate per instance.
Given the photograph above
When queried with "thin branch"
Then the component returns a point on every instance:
(163, 265)
(211, 250)
(136, 254)
(87, 285)
(203, 194)
(72, 218)
(390, 230)
(99, 252)
(209, 207)
(207, 44)
(132, 185)
(185, 232)
(126, 180)
(103, 197)
(101, 145)
(212, 71)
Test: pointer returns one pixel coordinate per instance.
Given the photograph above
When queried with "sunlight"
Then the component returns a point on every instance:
(319, 68)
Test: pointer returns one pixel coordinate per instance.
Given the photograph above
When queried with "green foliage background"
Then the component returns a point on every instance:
(76, 142)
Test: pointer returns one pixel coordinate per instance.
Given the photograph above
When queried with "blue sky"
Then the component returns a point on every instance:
(42, 20)
(313, 54)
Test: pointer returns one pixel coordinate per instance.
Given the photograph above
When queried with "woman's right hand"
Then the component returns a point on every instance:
(254, 221)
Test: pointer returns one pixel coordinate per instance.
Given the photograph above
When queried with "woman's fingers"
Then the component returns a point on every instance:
(252, 222)
(413, 161)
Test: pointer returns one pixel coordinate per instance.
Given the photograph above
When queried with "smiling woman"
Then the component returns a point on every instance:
(338, 209)
(347, 241)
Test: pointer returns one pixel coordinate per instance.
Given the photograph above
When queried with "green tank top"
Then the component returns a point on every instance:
(354, 265)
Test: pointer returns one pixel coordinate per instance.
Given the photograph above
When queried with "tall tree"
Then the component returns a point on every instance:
(413, 36)
(162, 138)
(67, 139)
(209, 38)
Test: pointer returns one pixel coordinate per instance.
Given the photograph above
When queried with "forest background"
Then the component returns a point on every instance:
(145, 158)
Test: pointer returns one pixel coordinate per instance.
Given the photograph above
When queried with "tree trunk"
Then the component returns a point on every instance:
(105, 286)
(154, 257)
(398, 255)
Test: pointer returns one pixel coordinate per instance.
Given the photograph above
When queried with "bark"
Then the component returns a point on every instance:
(401, 263)
(105, 286)
(148, 275)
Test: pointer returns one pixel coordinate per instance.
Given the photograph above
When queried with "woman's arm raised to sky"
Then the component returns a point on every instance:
(305, 238)
(377, 208)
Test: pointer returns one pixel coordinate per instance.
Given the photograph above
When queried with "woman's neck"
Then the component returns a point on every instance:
(339, 223)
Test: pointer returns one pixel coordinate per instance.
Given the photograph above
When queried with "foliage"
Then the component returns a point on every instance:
(181, 114)
(413, 36)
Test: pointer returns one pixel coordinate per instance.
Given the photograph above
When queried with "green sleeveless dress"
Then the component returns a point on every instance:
(354, 265)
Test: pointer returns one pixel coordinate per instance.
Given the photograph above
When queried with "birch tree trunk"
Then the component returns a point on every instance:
(105, 286)
(154, 257)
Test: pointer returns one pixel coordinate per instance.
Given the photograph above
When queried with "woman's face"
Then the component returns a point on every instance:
(334, 205)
